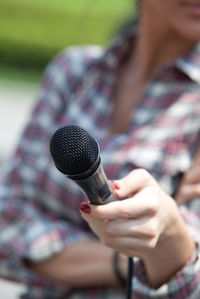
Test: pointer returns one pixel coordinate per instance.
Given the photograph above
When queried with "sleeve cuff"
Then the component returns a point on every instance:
(43, 240)
(183, 285)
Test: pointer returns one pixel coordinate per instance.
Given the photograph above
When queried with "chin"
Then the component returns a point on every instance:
(194, 36)
(192, 32)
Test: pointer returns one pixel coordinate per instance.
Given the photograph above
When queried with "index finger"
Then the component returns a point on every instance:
(132, 183)
(139, 205)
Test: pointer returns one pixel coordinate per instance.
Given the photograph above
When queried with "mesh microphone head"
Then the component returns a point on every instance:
(74, 151)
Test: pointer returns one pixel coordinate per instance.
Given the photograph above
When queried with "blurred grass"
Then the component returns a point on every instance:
(26, 75)
(32, 31)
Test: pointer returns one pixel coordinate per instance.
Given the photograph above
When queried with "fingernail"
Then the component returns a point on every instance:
(115, 185)
(85, 208)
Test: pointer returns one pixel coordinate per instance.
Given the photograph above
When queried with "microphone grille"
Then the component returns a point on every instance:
(73, 150)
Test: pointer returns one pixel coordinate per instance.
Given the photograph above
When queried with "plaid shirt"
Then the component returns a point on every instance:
(39, 206)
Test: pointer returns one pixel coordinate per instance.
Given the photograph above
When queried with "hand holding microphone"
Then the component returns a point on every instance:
(76, 154)
(146, 223)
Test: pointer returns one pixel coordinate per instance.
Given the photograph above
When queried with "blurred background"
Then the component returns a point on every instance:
(31, 33)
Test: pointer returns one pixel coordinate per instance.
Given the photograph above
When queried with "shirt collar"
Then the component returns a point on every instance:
(119, 47)
(190, 63)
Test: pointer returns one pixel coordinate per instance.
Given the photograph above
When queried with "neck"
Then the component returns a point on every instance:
(157, 45)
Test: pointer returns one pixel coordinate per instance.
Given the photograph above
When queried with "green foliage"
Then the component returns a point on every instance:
(32, 31)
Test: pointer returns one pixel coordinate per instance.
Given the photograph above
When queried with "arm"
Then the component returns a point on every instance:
(86, 263)
(146, 224)
(35, 225)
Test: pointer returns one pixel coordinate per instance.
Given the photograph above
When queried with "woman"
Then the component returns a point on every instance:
(147, 223)
(140, 100)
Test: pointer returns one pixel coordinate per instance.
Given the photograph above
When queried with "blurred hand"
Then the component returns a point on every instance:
(137, 224)
(189, 188)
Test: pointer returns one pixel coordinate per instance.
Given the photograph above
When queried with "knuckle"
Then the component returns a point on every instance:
(152, 230)
(153, 206)
(143, 173)
(150, 244)
(125, 212)
(145, 176)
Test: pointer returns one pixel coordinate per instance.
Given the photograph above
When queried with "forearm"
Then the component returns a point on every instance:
(87, 263)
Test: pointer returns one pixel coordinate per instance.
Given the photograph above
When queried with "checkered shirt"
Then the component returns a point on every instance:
(39, 207)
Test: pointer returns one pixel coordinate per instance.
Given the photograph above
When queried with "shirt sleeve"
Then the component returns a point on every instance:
(185, 283)
(28, 229)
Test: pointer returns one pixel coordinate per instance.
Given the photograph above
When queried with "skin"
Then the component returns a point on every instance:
(190, 184)
(147, 223)
(167, 30)
(155, 231)
(86, 263)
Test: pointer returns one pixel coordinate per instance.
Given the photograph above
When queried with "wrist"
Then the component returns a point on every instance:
(172, 252)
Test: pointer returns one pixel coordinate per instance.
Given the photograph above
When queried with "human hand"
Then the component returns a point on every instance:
(189, 188)
(140, 222)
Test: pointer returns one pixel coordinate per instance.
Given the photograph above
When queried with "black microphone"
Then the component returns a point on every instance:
(77, 155)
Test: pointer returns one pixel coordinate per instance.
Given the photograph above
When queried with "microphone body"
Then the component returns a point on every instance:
(97, 188)
(76, 154)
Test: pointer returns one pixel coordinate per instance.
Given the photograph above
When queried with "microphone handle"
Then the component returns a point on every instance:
(97, 187)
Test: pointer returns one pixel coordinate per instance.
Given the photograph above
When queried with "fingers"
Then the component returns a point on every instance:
(141, 204)
(189, 188)
(187, 193)
(132, 244)
(132, 225)
(193, 175)
(143, 228)
(135, 236)
(134, 182)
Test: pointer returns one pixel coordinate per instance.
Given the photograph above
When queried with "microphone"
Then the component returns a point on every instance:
(77, 155)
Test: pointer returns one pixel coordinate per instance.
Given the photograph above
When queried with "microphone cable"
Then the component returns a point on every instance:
(131, 267)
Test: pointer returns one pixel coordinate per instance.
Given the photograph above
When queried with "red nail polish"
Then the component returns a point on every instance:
(115, 185)
(85, 208)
